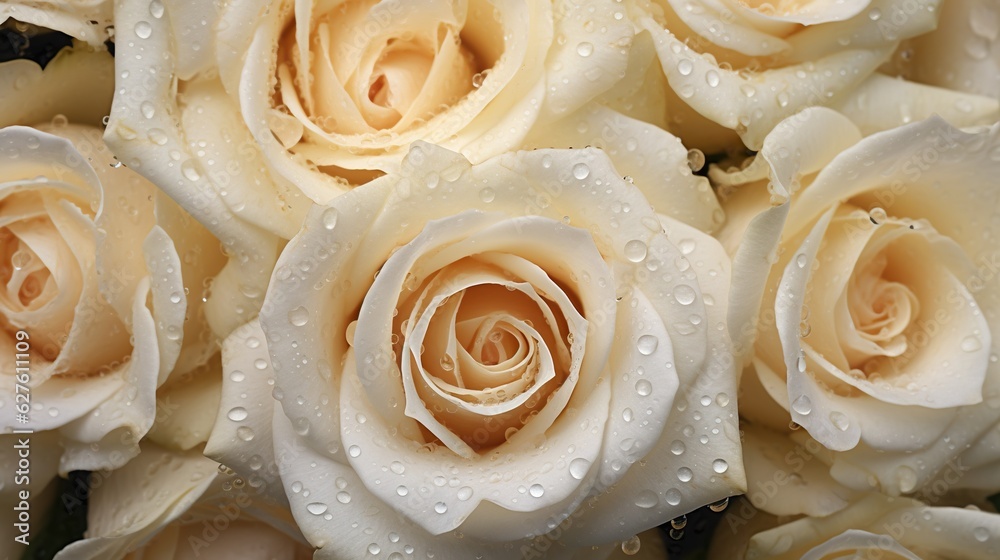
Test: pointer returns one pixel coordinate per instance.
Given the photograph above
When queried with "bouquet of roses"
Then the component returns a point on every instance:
(499, 279)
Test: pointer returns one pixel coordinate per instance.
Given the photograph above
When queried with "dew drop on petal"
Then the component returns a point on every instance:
(647, 344)
(685, 474)
(238, 414)
(585, 49)
(354, 451)
(677, 447)
(971, 343)
(143, 30)
(441, 508)
(684, 294)
(578, 468)
(635, 250)
(673, 496)
(581, 171)
(720, 466)
(464, 493)
(536, 490)
(839, 420)
(643, 387)
(329, 218)
(647, 499)
(802, 405)
(298, 316)
(981, 534)
(317, 508)
(344, 497)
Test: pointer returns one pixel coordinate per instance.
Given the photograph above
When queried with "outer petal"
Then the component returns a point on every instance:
(87, 20)
(155, 147)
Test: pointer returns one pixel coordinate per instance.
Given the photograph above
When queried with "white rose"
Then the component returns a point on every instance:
(742, 67)
(86, 20)
(95, 295)
(514, 358)
(248, 113)
(171, 505)
(875, 526)
(876, 262)
(81, 255)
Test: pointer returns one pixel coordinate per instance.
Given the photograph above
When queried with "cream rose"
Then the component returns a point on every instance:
(82, 253)
(263, 108)
(513, 358)
(171, 505)
(744, 66)
(95, 305)
(873, 527)
(875, 260)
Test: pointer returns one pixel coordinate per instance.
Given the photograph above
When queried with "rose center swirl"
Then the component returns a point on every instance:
(360, 68)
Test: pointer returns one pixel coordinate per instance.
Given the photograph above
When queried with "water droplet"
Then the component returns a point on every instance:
(647, 344)
(677, 447)
(402, 490)
(719, 506)
(578, 468)
(477, 79)
(441, 508)
(536, 490)
(464, 493)
(712, 77)
(907, 478)
(802, 405)
(585, 49)
(643, 387)
(801, 260)
(635, 250)
(874, 14)
(685, 67)
(647, 499)
(374, 549)
(238, 414)
(486, 194)
(143, 30)
(877, 215)
(631, 545)
(981, 534)
(354, 451)
(684, 294)
(244, 433)
(156, 9)
(720, 466)
(839, 419)
(673, 496)
(685, 474)
(581, 171)
(298, 316)
(329, 218)
(316, 508)
(971, 343)
(190, 171)
(148, 109)
(344, 497)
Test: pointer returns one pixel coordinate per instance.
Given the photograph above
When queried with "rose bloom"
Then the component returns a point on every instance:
(739, 68)
(82, 253)
(246, 114)
(874, 263)
(875, 526)
(96, 294)
(180, 505)
(513, 359)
